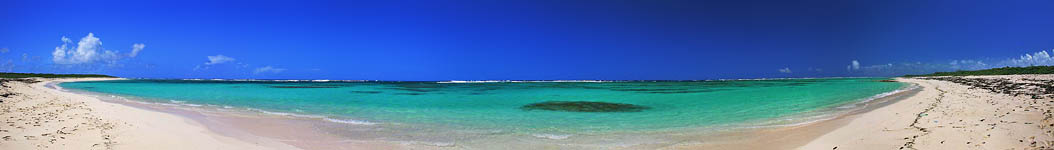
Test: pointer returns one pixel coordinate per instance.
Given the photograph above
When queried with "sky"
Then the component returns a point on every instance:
(522, 40)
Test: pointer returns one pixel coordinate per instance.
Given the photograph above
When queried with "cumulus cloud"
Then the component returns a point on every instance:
(7, 66)
(1041, 58)
(967, 65)
(268, 69)
(85, 51)
(855, 65)
(136, 48)
(218, 59)
(785, 70)
(88, 50)
(855, 68)
(891, 69)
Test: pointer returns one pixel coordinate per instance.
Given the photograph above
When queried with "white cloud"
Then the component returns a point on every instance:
(218, 59)
(785, 70)
(27, 58)
(88, 50)
(855, 65)
(1038, 58)
(214, 60)
(1041, 58)
(967, 65)
(7, 66)
(136, 48)
(268, 69)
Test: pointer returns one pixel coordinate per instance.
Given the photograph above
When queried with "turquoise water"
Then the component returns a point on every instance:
(671, 104)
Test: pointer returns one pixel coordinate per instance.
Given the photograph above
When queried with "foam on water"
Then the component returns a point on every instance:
(348, 121)
(552, 136)
(436, 144)
(827, 114)
(883, 95)
(175, 103)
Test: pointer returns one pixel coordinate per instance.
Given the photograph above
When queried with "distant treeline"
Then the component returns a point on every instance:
(995, 71)
(48, 75)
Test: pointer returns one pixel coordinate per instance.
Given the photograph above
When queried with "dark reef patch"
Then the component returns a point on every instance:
(304, 86)
(412, 89)
(687, 91)
(366, 92)
(668, 91)
(646, 90)
(584, 106)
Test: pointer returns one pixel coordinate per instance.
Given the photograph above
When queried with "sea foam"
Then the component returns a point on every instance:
(348, 121)
(552, 136)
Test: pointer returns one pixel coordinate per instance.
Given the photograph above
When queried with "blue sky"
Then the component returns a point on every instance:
(521, 40)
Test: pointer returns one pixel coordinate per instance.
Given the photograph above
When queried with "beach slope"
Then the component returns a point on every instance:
(38, 117)
(974, 112)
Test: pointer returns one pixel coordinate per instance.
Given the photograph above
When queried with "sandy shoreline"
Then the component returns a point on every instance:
(792, 136)
(947, 115)
(34, 120)
(37, 117)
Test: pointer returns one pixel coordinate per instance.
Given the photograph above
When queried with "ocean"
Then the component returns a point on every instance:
(544, 109)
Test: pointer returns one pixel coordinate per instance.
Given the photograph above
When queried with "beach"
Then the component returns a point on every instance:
(940, 114)
(38, 117)
(948, 115)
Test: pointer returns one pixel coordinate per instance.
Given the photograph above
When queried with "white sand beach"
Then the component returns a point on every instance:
(947, 115)
(37, 117)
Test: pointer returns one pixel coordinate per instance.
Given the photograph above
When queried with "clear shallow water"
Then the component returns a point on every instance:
(497, 106)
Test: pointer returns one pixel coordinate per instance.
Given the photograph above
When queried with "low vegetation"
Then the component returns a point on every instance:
(995, 71)
(47, 75)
